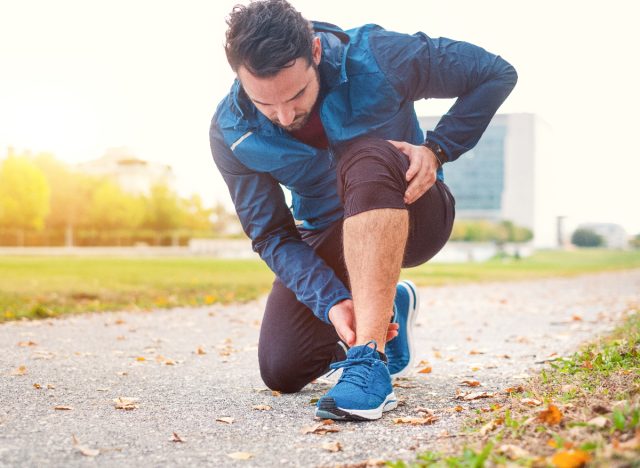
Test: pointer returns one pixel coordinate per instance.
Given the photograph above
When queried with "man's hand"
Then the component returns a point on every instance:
(343, 318)
(423, 166)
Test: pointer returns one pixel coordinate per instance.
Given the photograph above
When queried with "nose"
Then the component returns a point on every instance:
(286, 115)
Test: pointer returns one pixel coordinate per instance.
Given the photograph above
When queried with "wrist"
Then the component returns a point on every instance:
(437, 150)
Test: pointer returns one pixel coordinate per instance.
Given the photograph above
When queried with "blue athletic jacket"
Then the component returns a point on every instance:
(369, 79)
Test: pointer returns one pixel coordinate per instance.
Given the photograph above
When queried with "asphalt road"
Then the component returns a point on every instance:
(188, 367)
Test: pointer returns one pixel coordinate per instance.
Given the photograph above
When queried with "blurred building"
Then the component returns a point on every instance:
(132, 174)
(507, 176)
(613, 235)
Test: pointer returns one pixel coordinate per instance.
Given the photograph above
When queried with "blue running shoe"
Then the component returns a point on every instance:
(399, 351)
(364, 389)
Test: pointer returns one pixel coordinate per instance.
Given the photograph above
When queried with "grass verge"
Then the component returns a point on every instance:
(37, 287)
(580, 411)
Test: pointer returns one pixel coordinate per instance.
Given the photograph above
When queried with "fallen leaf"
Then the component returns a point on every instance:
(125, 403)
(225, 419)
(425, 370)
(423, 363)
(425, 411)
(474, 396)
(176, 438)
(240, 455)
(262, 407)
(599, 421)
(552, 415)
(517, 389)
(166, 361)
(470, 383)
(490, 426)
(415, 421)
(503, 356)
(321, 428)
(438, 355)
(458, 409)
(50, 387)
(276, 393)
(570, 459)
(83, 449)
(404, 385)
(475, 351)
(513, 452)
(119, 322)
(576, 318)
(24, 344)
(531, 401)
(37, 386)
(62, 408)
(332, 446)
(141, 359)
(200, 350)
(476, 368)
(22, 370)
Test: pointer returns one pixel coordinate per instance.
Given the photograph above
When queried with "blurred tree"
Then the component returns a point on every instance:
(486, 231)
(164, 213)
(586, 238)
(71, 193)
(115, 211)
(635, 242)
(24, 196)
(196, 217)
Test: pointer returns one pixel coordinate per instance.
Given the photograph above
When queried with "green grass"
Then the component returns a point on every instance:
(47, 286)
(540, 265)
(35, 287)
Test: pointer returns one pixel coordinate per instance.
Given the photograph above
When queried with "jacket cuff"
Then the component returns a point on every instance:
(325, 315)
(431, 136)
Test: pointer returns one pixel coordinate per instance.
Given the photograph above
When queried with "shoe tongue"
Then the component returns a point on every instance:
(363, 351)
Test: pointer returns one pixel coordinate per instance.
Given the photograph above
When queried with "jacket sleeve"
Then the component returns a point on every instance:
(266, 219)
(420, 67)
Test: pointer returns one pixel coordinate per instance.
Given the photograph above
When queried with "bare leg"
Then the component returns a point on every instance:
(374, 243)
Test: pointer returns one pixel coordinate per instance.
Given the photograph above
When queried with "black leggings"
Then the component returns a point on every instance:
(295, 346)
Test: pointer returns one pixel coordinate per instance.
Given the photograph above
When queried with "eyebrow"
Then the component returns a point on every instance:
(297, 95)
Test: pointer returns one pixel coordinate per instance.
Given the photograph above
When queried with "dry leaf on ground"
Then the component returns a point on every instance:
(83, 449)
(24, 344)
(225, 420)
(404, 385)
(125, 403)
(276, 393)
(552, 415)
(415, 421)
(323, 427)
(570, 459)
(468, 396)
(37, 386)
(62, 408)
(513, 452)
(262, 407)
(332, 446)
(176, 438)
(200, 350)
(470, 383)
(530, 402)
(517, 389)
(22, 370)
(240, 455)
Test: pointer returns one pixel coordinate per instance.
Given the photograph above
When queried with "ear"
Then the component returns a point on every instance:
(316, 50)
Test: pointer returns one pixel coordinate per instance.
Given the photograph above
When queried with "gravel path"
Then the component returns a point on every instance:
(188, 367)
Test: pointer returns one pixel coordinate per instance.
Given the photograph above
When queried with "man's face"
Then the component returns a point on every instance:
(287, 98)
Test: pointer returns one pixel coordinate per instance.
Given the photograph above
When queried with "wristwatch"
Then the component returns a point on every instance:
(441, 156)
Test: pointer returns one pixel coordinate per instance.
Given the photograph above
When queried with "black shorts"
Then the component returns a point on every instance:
(295, 346)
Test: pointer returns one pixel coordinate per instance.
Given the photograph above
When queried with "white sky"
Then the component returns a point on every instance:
(79, 76)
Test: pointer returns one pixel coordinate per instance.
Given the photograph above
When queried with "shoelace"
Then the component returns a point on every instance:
(354, 371)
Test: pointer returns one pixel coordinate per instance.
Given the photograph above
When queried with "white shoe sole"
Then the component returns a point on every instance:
(414, 307)
(329, 411)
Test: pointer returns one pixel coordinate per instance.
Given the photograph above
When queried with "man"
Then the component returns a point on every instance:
(328, 114)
